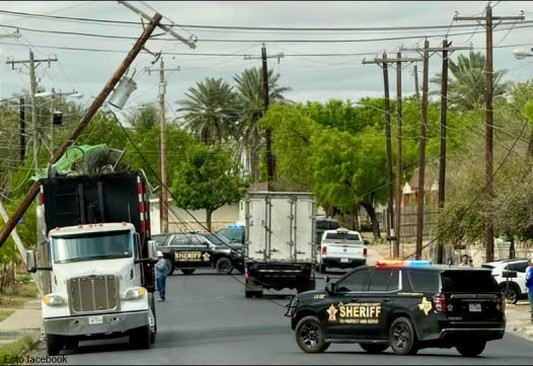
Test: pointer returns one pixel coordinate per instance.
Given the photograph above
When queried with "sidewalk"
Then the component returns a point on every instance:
(23, 322)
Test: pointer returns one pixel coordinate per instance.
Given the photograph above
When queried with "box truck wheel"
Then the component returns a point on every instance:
(140, 337)
(322, 268)
(224, 266)
(188, 271)
(151, 301)
(71, 342)
(54, 344)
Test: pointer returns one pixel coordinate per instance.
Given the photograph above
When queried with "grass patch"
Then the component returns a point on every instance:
(15, 349)
(5, 313)
(24, 291)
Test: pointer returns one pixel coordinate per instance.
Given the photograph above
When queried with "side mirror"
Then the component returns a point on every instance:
(30, 261)
(152, 249)
(330, 288)
(327, 278)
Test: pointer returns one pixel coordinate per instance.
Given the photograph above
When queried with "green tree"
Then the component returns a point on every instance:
(207, 178)
(251, 106)
(145, 117)
(210, 110)
(467, 86)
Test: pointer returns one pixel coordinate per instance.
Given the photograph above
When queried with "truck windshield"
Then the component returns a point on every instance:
(75, 248)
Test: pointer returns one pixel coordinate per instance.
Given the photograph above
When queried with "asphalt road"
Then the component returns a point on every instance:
(207, 320)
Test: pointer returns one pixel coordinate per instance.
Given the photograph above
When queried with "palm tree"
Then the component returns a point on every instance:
(210, 110)
(466, 88)
(251, 108)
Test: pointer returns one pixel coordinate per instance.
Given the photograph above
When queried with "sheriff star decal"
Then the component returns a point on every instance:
(425, 306)
(332, 311)
(206, 256)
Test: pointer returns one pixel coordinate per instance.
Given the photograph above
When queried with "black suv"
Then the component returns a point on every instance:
(201, 249)
(405, 306)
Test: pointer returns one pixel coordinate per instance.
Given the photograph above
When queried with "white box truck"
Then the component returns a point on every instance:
(279, 248)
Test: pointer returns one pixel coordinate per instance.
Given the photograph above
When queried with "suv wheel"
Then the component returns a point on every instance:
(512, 292)
(224, 266)
(471, 348)
(402, 337)
(310, 336)
(188, 271)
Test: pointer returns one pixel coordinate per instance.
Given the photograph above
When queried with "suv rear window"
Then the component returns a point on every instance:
(424, 281)
(468, 281)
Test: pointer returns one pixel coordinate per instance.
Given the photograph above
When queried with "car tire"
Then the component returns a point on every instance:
(310, 335)
(224, 266)
(170, 266)
(71, 342)
(373, 348)
(54, 344)
(512, 292)
(471, 348)
(188, 271)
(402, 337)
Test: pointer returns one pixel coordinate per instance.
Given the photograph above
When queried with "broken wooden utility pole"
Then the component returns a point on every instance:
(383, 63)
(91, 111)
(489, 162)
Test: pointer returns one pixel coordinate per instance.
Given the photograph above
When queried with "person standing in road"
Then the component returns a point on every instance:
(529, 284)
(161, 272)
(464, 260)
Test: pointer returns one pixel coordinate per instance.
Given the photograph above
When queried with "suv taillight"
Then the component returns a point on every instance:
(324, 250)
(246, 275)
(439, 302)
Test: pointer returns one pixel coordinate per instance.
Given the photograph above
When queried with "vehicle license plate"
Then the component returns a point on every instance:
(344, 260)
(474, 307)
(97, 319)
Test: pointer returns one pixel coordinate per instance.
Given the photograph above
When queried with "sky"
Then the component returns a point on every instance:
(349, 32)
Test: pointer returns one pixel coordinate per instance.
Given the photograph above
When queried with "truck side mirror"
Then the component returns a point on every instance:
(30, 261)
(330, 288)
(152, 249)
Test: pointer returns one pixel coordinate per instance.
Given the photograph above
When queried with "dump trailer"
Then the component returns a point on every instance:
(279, 243)
(102, 259)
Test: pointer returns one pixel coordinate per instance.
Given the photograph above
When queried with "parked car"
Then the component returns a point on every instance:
(341, 248)
(511, 277)
(201, 249)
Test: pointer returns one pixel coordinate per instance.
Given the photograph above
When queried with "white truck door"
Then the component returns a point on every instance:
(281, 222)
(304, 230)
(256, 229)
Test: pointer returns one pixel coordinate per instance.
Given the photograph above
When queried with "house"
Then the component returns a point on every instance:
(410, 191)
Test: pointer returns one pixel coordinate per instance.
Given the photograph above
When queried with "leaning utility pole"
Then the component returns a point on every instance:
(163, 191)
(383, 62)
(489, 162)
(266, 101)
(91, 111)
(399, 191)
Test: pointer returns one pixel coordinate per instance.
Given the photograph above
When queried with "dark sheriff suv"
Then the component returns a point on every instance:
(403, 305)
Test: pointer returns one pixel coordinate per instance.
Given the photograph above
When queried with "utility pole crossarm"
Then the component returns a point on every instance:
(392, 60)
(519, 17)
(162, 26)
(438, 49)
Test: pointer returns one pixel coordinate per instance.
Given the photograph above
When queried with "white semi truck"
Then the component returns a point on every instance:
(279, 243)
(101, 260)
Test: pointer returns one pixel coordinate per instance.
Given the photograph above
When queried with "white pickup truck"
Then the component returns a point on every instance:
(341, 248)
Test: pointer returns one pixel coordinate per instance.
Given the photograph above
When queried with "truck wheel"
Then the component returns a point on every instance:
(170, 267)
(248, 294)
(152, 309)
(471, 348)
(402, 337)
(188, 271)
(54, 344)
(310, 336)
(224, 266)
(140, 337)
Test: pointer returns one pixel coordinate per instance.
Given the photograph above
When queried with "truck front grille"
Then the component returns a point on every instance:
(93, 293)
